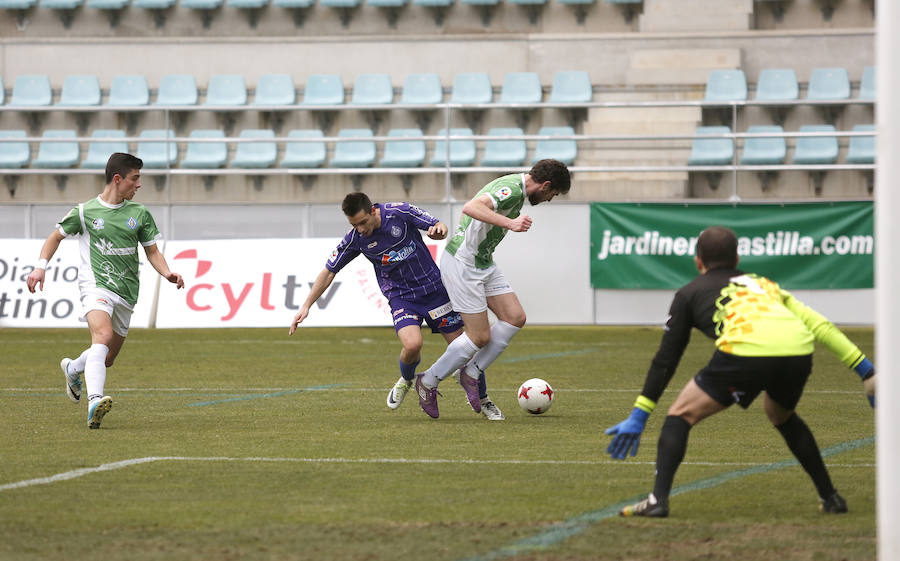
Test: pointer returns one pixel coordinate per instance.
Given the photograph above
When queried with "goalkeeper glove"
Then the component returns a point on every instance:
(866, 371)
(628, 432)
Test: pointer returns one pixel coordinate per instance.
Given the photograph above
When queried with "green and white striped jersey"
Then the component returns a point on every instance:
(108, 237)
(474, 240)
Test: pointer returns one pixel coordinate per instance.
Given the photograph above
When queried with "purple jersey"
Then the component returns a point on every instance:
(403, 265)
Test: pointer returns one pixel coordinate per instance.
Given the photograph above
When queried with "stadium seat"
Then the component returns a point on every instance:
(867, 84)
(422, 88)
(571, 87)
(157, 7)
(129, 91)
(564, 150)
(372, 89)
(816, 149)
(14, 154)
(157, 155)
(726, 85)
(111, 8)
(108, 142)
(177, 89)
(358, 154)
(472, 87)
(344, 8)
(57, 155)
(297, 8)
(828, 84)
(462, 152)
(323, 89)
(712, 151)
(275, 89)
(862, 148)
(486, 7)
(304, 154)
(80, 91)
(205, 155)
(63, 8)
(16, 4)
(581, 8)
(32, 90)
(507, 152)
(226, 89)
(251, 7)
(521, 87)
(403, 154)
(438, 8)
(533, 7)
(764, 151)
(391, 9)
(777, 84)
(255, 154)
(629, 7)
(203, 7)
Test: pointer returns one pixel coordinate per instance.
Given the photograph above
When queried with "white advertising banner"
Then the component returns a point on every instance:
(59, 304)
(263, 283)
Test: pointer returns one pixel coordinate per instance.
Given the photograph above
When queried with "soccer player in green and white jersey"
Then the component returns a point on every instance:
(476, 284)
(109, 229)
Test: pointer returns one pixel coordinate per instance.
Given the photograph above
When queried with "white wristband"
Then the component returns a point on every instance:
(41, 264)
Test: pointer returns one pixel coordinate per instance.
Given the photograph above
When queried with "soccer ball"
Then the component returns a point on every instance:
(535, 396)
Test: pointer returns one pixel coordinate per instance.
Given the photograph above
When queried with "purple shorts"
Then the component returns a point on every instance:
(435, 309)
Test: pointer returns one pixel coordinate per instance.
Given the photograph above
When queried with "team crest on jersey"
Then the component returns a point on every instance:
(132, 223)
(396, 231)
(504, 193)
(97, 224)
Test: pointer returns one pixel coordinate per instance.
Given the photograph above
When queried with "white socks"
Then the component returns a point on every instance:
(77, 365)
(501, 334)
(95, 370)
(458, 352)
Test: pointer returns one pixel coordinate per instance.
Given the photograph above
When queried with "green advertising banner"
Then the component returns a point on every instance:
(800, 246)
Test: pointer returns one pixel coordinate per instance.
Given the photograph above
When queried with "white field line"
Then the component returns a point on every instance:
(138, 461)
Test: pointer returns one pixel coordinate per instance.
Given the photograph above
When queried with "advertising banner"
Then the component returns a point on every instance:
(801, 246)
(59, 304)
(263, 283)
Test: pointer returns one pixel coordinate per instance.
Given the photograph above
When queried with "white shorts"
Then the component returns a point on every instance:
(469, 287)
(119, 311)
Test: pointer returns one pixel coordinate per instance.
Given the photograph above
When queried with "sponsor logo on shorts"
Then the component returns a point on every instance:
(103, 301)
(450, 321)
(412, 317)
(440, 311)
(132, 223)
(399, 255)
(399, 311)
(97, 224)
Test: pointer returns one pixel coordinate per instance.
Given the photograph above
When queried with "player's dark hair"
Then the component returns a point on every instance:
(553, 171)
(717, 248)
(121, 163)
(355, 202)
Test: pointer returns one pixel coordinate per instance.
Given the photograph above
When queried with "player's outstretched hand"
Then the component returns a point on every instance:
(869, 386)
(438, 231)
(298, 319)
(35, 279)
(627, 434)
(521, 223)
(175, 279)
(866, 371)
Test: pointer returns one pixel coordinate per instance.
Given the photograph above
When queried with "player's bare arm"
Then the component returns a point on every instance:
(158, 260)
(438, 231)
(36, 277)
(320, 285)
(482, 208)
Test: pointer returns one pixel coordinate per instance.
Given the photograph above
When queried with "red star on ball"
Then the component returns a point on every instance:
(523, 392)
(548, 392)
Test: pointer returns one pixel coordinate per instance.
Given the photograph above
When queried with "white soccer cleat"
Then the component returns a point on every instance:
(73, 385)
(98, 410)
(491, 411)
(398, 392)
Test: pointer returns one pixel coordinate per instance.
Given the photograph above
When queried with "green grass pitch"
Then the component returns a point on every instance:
(249, 444)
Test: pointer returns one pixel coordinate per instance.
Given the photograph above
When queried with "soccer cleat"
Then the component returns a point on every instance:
(427, 398)
(397, 393)
(470, 384)
(73, 386)
(649, 507)
(835, 504)
(491, 411)
(98, 410)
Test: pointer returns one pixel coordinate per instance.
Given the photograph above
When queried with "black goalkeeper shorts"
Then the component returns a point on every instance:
(733, 379)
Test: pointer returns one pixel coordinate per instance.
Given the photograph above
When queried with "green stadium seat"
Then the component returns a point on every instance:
(816, 149)
(157, 155)
(129, 90)
(275, 89)
(521, 87)
(323, 89)
(777, 84)
(726, 85)
(571, 87)
(177, 89)
(304, 154)
(862, 148)
(57, 155)
(357, 154)
(80, 91)
(867, 84)
(564, 150)
(104, 143)
(472, 87)
(403, 154)
(32, 90)
(711, 151)
(205, 155)
(828, 84)
(255, 154)
(764, 151)
(462, 152)
(226, 89)
(14, 154)
(508, 152)
(372, 89)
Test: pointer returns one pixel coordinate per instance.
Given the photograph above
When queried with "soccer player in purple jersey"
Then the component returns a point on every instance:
(388, 236)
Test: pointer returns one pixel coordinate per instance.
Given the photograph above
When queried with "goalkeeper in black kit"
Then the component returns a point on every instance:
(764, 342)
